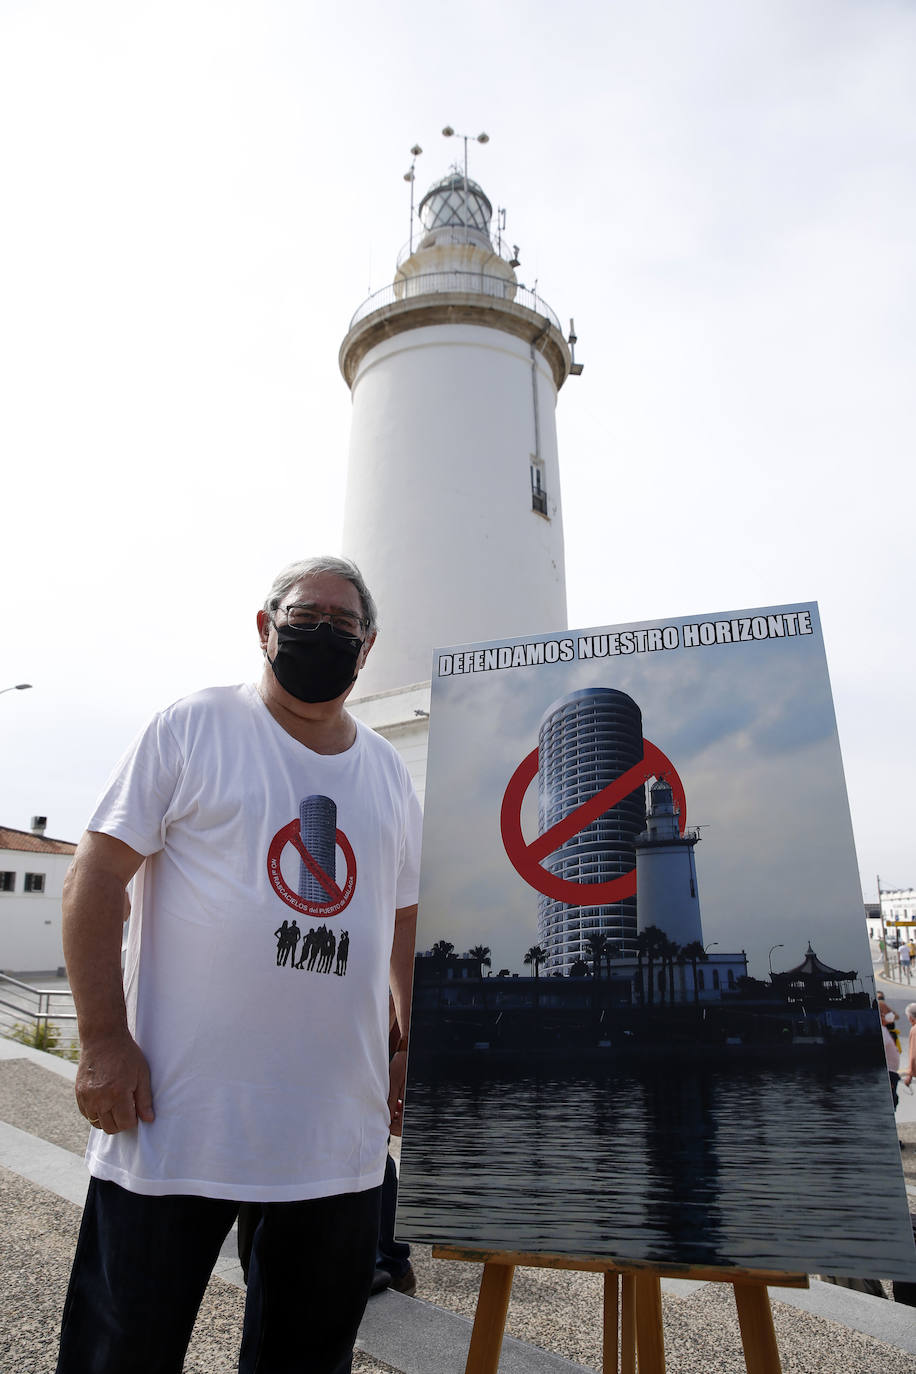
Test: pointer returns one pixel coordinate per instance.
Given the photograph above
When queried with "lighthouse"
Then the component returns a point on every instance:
(666, 875)
(453, 508)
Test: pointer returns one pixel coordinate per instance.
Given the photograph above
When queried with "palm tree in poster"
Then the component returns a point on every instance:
(536, 955)
(670, 950)
(612, 951)
(596, 943)
(692, 953)
(482, 952)
(650, 943)
(442, 951)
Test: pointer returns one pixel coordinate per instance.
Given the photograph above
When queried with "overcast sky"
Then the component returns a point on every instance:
(199, 195)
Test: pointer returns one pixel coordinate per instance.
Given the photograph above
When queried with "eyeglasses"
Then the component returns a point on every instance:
(345, 623)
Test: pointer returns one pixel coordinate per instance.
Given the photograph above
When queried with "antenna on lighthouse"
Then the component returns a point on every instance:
(449, 132)
(416, 150)
(574, 367)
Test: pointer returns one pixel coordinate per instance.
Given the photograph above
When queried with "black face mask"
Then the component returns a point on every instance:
(314, 665)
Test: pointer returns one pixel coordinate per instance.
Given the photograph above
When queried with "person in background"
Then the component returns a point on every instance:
(903, 958)
(908, 1055)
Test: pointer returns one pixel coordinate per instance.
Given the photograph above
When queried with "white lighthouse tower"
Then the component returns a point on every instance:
(666, 875)
(453, 491)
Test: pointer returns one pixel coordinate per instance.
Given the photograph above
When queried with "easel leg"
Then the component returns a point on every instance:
(490, 1319)
(628, 1324)
(758, 1335)
(610, 1350)
(650, 1343)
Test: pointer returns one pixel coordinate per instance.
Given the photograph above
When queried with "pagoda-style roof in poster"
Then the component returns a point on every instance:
(644, 1024)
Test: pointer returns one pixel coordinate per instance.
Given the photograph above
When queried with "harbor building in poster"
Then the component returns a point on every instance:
(453, 507)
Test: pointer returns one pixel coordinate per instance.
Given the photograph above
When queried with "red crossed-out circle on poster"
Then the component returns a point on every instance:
(526, 858)
(338, 897)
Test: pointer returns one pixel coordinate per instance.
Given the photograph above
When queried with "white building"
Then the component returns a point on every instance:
(453, 492)
(898, 904)
(32, 871)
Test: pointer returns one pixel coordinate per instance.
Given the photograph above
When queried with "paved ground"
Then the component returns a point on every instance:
(42, 1137)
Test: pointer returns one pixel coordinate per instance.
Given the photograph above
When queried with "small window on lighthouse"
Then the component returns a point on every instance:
(538, 490)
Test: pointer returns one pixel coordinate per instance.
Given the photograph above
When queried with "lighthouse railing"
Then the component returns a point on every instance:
(470, 283)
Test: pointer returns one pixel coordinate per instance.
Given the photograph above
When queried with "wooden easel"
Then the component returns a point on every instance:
(632, 1292)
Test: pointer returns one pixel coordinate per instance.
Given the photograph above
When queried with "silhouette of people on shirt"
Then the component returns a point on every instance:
(343, 950)
(287, 940)
(319, 947)
(327, 954)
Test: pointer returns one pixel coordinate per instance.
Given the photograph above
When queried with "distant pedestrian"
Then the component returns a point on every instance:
(892, 1059)
(908, 1056)
(903, 956)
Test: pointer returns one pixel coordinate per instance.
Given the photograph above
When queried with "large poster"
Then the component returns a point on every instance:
(644, 1023)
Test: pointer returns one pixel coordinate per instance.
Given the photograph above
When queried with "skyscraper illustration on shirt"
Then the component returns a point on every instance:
(318, 828)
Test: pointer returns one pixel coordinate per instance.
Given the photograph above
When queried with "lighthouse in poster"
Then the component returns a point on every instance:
(453, 508)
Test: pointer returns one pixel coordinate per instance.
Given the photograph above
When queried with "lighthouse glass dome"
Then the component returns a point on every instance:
(446, 203)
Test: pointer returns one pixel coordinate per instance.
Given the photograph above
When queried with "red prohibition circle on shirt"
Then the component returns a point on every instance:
(338, 897)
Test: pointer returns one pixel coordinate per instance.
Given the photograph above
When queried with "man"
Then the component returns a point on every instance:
(218, 1074)
(908, 1053)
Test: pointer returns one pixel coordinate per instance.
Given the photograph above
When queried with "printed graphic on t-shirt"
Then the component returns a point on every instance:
(308, 847)
(319, 947)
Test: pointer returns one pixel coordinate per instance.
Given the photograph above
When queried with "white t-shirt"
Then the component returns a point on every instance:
(256, 977)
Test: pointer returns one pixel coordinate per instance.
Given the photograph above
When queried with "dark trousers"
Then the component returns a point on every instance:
(393, 1255)
(142, 1265)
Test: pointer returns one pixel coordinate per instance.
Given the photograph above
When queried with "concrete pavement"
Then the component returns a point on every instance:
(554, 1319)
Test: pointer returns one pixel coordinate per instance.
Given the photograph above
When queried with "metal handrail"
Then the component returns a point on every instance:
(42, 1012)
(470, 283)
(457, 234)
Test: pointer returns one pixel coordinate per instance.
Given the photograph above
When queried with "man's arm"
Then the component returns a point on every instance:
(400, 980)
(112, 1080)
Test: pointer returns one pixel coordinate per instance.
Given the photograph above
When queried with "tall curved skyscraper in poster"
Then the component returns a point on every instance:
(585, 741)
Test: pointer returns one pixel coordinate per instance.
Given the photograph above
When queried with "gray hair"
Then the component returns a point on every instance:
(910, 1010)
(308, 567)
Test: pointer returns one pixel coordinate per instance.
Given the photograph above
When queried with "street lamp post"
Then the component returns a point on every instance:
(18, 687)
(887, 962)
(770, 956)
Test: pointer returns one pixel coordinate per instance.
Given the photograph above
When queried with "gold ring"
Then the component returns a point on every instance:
(96, 1122)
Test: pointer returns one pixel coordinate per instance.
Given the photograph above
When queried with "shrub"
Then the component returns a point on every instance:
(43, 1035)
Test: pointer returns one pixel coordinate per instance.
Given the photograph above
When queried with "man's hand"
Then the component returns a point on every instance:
(112, 1084)
(397, 1076)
